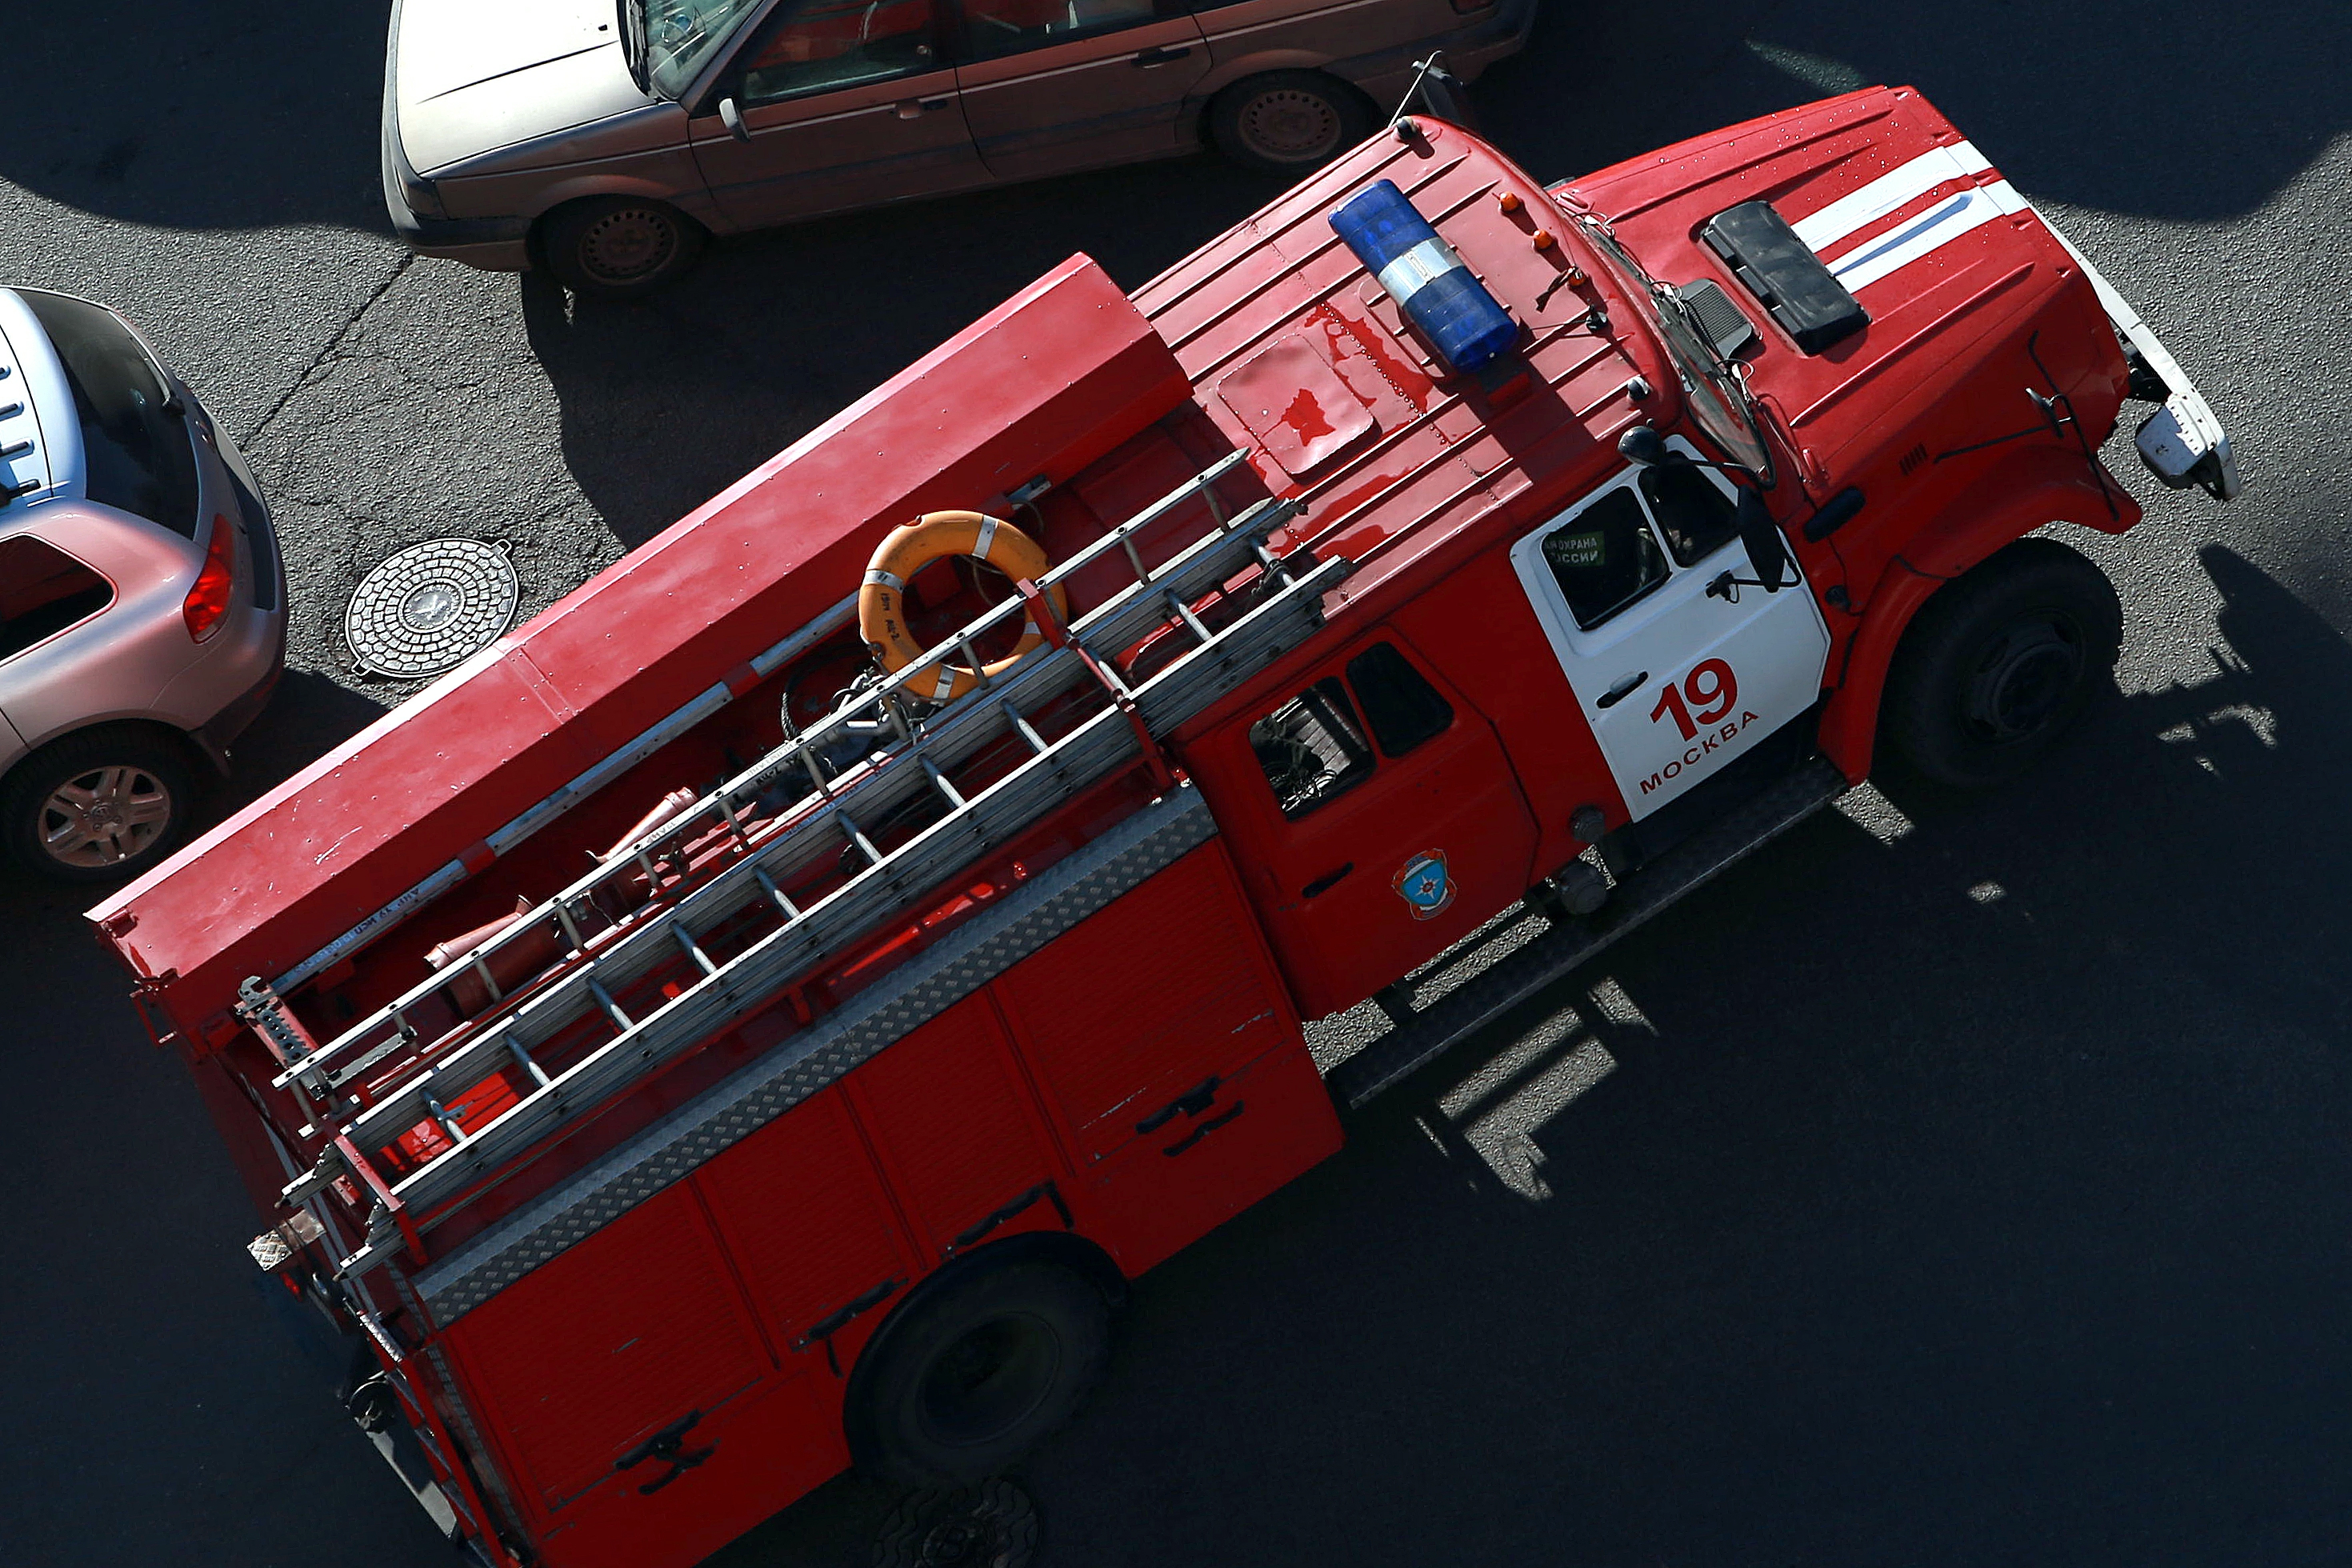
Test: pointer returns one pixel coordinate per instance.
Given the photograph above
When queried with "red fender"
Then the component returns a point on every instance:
(2044, 486)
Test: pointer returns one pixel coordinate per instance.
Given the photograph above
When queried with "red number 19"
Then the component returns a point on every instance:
(1710, 687)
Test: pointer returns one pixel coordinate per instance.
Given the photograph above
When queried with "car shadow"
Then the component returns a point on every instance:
(203, 117)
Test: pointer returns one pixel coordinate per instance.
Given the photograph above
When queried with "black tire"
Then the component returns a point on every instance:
(617, 247)
(98, 806)
(2000, 663)
(974, 1371)
(991, 1525)
(1288, 121)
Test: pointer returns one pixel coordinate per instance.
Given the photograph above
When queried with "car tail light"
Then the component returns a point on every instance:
(207, 602)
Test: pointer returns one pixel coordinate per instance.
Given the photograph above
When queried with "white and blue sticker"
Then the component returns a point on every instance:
(1425, 885)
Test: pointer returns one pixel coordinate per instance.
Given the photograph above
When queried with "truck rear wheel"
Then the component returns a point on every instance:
(975, 1371)
(2000, 663)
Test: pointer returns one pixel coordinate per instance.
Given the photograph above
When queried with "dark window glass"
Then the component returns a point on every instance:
(1312, 748)
(1693, 514)
(1008, 27)
(1401, 707)
(1605, 559)
(829, 44)
(138, 455)
(43, 590)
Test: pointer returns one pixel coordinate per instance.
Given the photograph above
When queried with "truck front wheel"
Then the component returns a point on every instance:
(2000, 663)
(975, 1371)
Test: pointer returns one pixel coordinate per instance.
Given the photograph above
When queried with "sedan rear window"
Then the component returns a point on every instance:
(138, 452)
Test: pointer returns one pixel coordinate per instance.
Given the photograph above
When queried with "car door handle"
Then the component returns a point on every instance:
(1326, 883)
(916, 108)
(1159, 56)
(1626, 686)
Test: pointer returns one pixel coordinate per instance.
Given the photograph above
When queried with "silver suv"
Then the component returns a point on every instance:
(142, 603)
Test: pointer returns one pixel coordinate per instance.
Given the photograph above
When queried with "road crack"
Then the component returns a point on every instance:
(329, 352)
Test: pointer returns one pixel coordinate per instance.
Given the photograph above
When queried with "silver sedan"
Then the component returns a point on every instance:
(142, 603)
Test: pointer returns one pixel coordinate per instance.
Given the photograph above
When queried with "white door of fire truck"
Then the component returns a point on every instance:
(1675, 681)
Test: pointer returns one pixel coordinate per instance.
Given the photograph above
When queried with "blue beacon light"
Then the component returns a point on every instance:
(1424, 276)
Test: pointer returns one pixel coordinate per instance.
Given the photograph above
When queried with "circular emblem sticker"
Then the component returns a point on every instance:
(1423, 885)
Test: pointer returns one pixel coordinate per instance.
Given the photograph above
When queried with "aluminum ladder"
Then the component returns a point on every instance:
(677, 923)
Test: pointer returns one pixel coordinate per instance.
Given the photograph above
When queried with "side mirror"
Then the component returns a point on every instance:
(733, 118)
(1768, 553)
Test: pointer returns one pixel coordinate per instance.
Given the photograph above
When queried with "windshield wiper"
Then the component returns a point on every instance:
(632, 40)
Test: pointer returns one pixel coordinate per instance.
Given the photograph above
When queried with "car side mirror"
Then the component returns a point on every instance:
(1768, 553)
(731, 117)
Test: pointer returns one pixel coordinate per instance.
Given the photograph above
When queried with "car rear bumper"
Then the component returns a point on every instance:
(1468, 51)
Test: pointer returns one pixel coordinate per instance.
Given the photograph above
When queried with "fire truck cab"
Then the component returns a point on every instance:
(760, 1015)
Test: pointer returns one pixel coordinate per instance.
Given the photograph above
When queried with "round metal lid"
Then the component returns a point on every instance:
(430, 608)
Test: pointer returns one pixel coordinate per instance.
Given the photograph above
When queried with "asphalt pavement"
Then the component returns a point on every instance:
(1961, 1180)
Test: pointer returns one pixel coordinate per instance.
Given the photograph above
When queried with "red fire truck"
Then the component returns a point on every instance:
(758, 1016)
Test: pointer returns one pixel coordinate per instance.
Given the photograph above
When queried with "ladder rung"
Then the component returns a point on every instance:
(523, 1059)
(621, 1020)
(1185, 613)
(939, 782)
(857, 837)
(481, 966)
(693, 950)
(571, 927)
(1021, 728)
(775, 894)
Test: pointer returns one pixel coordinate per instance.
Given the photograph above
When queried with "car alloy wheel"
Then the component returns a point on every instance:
(1290, 125)
(101, 820)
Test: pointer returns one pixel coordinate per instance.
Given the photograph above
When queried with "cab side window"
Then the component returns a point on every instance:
(1605, 559)
(1318, 745)
(1693, 512)
(1312, 748)
(827, 44)
(1403, 708)
(1000, 27)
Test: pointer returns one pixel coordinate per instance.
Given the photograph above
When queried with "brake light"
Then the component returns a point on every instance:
(207, 603)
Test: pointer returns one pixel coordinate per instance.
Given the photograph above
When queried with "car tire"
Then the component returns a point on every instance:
(975, 1370)
(2000, 663)
(618, 247)
(98, 806)
(1287, 123)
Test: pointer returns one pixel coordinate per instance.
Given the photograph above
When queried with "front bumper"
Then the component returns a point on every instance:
(493, 243)
(2182, 443)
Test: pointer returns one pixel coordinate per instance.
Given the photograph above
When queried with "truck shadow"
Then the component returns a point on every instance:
(1959, 1177)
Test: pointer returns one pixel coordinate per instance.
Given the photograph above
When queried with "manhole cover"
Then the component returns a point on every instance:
(428, 607)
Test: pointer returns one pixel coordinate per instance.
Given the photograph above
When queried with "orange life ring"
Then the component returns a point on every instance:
(910, 547)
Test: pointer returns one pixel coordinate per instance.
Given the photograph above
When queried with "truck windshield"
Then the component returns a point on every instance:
(680, 36)
(1717, 400)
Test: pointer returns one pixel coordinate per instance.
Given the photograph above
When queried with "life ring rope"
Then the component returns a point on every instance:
(910, 547)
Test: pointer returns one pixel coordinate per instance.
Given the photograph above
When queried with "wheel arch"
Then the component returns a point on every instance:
(1064, 1249)
(1264, 62)
(191, 751)
(588, 187)
(1973, 527)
